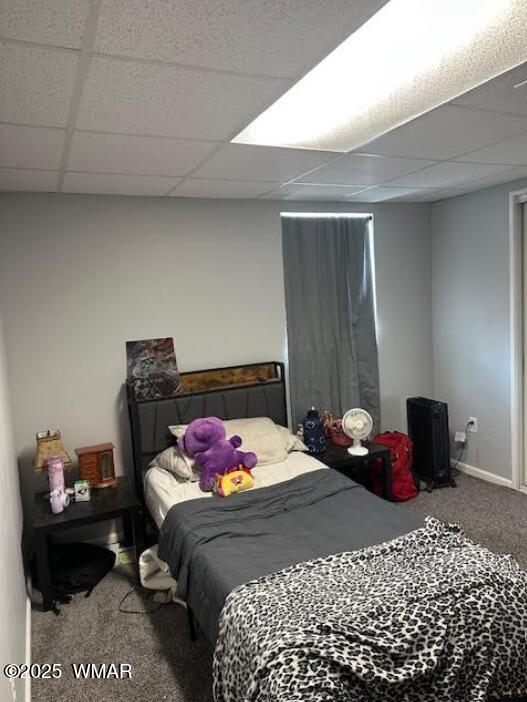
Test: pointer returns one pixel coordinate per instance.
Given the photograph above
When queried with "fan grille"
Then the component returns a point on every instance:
(357, 423)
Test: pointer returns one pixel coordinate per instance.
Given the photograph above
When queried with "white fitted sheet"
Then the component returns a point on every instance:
(163, 490)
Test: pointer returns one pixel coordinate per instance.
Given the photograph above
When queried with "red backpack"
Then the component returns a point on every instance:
(403, 483)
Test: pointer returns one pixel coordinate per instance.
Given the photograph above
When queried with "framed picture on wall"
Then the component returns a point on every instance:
(151, 365)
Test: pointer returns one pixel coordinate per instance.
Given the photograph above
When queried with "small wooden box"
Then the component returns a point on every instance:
(96, 465)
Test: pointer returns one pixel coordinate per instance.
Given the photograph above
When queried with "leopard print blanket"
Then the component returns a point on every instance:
(429, 616)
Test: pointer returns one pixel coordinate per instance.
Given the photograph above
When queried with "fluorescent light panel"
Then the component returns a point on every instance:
(410, 57)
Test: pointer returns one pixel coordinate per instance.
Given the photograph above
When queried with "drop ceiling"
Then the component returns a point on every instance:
(142, 97)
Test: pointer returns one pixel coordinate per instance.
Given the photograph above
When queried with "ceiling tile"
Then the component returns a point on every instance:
(511, 151)
(447, 194)
(429, 195)
(389, 194)
(385, 194)
(36, 84)
(28, 180)
(107, 184)
(44, 21)
(115, 153)
(363, 169)
(267, 163)
(310, 191)
(283, 38)
(487, 180)
(475, 185)
(446, 132)
(194, 187)
(449, 174)
(499, 94)
(31, 147)
(158, 100)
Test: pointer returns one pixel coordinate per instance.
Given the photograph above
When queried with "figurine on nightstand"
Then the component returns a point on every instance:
(59, 499)
(327, 418)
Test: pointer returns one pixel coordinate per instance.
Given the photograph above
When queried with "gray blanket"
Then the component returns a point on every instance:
(214, 545)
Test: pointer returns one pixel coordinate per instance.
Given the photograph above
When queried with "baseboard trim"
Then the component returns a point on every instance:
(27, 695)
(483, 474)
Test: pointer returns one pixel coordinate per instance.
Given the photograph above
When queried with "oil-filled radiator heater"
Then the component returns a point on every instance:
(428, 429)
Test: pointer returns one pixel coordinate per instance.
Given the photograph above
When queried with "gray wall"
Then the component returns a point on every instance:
(12, 586)
(79, 275)
(471, 320)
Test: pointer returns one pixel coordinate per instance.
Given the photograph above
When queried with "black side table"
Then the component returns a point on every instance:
(337, 457)
(106, 503)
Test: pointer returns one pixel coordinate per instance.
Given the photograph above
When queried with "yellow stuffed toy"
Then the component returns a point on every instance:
(234, 481)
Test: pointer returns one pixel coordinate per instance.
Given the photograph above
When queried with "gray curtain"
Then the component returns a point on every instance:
(332, 348)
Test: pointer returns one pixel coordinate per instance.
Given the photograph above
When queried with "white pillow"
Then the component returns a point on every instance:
(177, 462)
(293, 442)
(259, 434)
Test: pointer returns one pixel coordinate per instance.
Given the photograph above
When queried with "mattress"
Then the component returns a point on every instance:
(163, 490)
(214, 545)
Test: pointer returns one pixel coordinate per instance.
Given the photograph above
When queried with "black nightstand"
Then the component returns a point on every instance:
(106, 503)
(355, 467)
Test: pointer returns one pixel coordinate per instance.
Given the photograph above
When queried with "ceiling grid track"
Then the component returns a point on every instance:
(196, 168)
(83, 66)
(189, 66)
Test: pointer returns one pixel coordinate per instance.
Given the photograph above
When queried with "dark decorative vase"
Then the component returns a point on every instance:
(314, 435)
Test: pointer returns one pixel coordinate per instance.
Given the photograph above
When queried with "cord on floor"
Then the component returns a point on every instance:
(148, 597)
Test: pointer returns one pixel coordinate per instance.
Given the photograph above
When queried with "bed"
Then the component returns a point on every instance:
(307, 584)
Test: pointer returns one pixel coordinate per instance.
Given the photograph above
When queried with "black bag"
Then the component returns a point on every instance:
(77, 567)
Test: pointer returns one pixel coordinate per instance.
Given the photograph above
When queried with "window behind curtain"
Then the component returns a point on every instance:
(332, 347)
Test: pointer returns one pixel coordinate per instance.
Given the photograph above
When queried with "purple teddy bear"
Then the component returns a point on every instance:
(205, 440)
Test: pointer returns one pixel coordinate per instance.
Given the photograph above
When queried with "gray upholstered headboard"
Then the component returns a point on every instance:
(149, 419)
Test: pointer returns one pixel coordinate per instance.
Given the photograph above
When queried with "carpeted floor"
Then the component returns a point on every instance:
(493, 516)
(166, 665)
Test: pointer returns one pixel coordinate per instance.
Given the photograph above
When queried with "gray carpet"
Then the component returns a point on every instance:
(166, 665)
(493, 516)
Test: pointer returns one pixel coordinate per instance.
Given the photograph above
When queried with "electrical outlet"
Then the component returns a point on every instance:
(473, 428)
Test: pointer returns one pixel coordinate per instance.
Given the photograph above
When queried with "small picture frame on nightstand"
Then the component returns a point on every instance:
(82, 490)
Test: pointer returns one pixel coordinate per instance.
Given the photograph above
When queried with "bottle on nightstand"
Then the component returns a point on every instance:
(314, 434)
